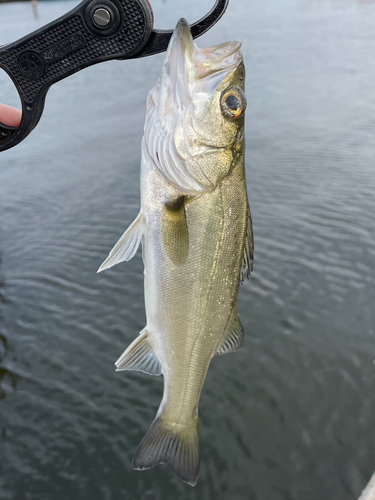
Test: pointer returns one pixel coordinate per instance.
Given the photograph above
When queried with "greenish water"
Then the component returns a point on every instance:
(290, 416)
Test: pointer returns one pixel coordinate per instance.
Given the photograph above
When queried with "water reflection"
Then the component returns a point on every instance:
(8, 379)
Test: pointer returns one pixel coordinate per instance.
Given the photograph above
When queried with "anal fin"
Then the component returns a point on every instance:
(233, 335)
(140, 356)
(127, 245)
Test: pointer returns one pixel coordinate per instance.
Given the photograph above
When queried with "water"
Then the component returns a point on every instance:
(290, 416)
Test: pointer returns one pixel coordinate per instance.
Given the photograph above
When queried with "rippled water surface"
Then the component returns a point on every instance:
(290, 416)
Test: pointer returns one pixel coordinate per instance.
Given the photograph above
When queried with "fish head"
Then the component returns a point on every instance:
(195, 112)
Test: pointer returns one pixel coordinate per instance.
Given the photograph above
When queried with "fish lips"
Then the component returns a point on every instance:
(188, 68)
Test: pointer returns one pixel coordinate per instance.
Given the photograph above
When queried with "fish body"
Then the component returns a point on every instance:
(196, 233)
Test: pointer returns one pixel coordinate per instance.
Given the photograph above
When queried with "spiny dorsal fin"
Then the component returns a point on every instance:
(234, 334)
(175, 231)
(140, 356)
(174, 444)
(127, 245)
(248, 255)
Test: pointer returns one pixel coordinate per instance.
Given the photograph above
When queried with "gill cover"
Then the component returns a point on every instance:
(187, 135)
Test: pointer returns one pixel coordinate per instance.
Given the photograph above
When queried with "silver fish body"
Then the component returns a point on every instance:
(196, 233)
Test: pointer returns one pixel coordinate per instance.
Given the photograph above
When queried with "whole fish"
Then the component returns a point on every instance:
(197, 239)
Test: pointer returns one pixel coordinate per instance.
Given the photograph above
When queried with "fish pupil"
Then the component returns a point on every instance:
(233, 102)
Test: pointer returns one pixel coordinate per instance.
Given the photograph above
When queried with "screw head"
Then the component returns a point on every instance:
(101, 17)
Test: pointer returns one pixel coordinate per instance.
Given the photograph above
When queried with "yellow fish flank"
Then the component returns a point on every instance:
(196, 233)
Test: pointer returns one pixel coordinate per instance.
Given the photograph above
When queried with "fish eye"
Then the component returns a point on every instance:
(233, 103)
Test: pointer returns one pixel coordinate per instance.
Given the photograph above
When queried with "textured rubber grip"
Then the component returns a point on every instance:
(66, 46)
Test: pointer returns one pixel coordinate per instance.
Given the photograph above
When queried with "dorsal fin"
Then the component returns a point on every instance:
(140, 356)
(127, 245)
(233, 336)
(248, 253)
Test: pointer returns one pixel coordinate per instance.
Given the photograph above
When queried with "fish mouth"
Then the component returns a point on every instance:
(197, 62)
(181, 46)
(183, 38)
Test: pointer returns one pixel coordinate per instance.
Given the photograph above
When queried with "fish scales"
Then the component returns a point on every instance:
(191, 299)
(196, 233)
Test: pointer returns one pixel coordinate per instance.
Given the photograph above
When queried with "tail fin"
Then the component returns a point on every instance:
(175, 445)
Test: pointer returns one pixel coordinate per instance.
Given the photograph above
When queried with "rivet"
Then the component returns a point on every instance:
(102, 17)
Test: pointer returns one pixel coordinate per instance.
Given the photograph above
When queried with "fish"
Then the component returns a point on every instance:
(197, 238)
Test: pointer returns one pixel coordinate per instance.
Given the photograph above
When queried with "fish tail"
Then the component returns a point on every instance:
(174, 444)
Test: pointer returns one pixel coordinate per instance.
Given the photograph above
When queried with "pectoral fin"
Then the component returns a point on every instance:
(140, 356)
(175, 231)
(127, 245)
(234, 334)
